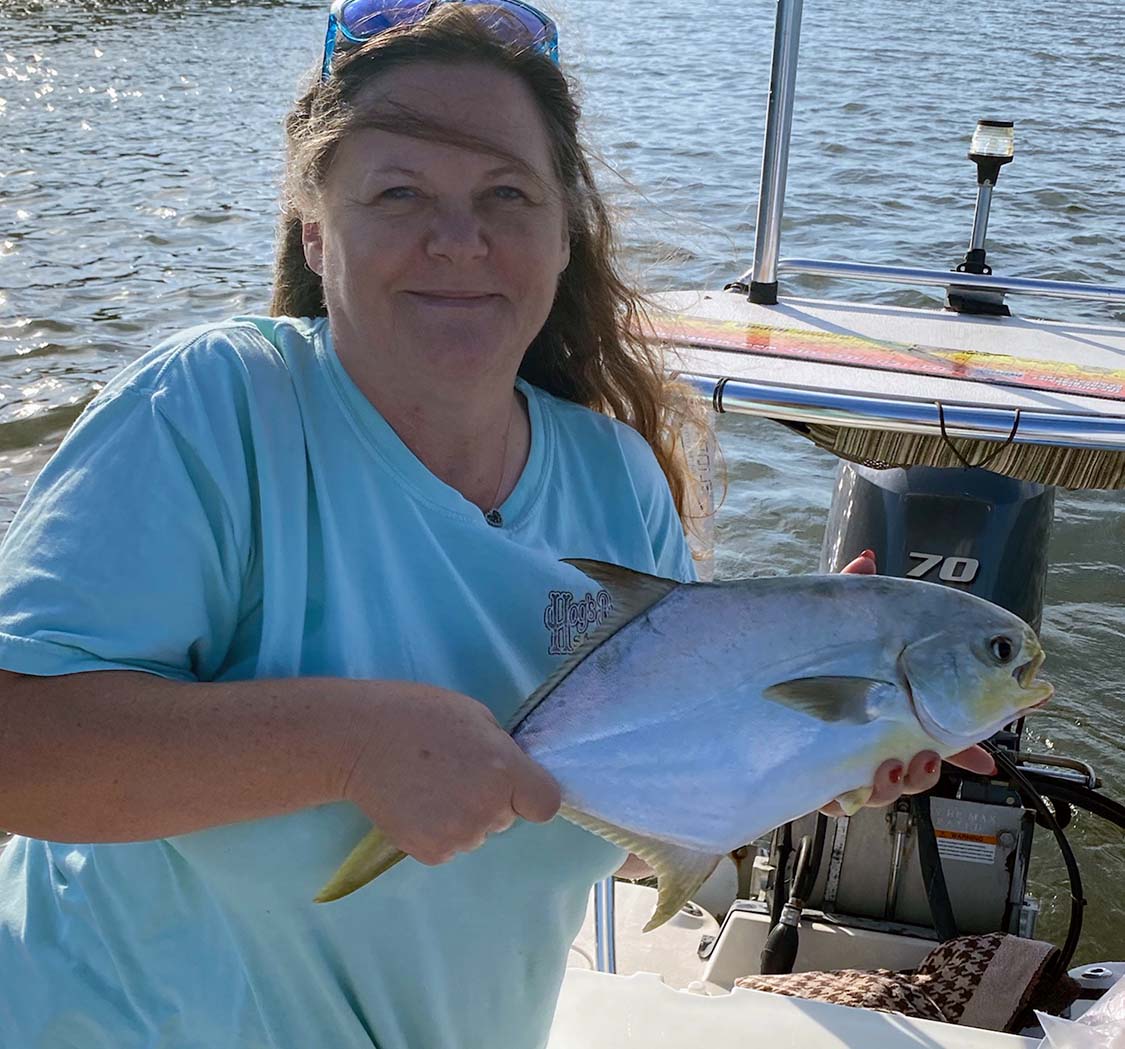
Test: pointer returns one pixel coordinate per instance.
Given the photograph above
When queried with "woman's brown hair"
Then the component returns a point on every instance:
(592, 349)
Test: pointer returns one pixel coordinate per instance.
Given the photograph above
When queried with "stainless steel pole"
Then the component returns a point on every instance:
(980, 216)
(775, 153)
(605, 932)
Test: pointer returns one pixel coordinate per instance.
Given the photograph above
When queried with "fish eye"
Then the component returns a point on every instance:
(1002, 649)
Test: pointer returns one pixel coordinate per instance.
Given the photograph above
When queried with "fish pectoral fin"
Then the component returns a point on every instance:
(854, 700)
(371, 857)
(679, 871)
(851, 801)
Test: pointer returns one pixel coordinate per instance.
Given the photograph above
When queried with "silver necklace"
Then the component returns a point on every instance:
(493, 516)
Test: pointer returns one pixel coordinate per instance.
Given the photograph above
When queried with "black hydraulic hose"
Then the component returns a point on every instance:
(805, 877)
(933, 874)
(1077, 899)
(782, 853)
(779, 952)
(780, 949)
(1080, 796)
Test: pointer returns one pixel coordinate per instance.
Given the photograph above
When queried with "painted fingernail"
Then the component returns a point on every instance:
(895, 775)
(868, 553)
(932, 767)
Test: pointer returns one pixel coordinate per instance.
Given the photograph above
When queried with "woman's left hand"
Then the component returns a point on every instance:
(893, 778)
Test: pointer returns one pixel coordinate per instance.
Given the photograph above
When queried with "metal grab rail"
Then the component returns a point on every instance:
(945, 278)
(904, 415)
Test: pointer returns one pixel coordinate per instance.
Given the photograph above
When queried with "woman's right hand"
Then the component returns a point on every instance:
(437, 774)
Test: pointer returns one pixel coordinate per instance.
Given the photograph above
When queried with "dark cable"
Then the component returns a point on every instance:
(980, 464)
(782, 851)
(779, 953)
(805, 879)
(1077, 899)
(717, 395)
(1080, 796)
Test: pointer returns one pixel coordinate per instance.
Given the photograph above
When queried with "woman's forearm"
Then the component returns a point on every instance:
(124, 756)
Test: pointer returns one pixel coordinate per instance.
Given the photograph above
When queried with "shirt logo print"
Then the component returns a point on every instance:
(570, 620)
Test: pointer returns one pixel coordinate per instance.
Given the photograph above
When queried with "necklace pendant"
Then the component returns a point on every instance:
(495, 518)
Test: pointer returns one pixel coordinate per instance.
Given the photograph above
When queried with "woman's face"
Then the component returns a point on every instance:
(432, 255)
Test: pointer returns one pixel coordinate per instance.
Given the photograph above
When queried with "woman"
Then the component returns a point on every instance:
(244, 608)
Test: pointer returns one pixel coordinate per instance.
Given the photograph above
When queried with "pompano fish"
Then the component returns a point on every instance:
(701, 715)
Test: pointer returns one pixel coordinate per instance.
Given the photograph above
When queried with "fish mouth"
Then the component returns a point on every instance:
(1025, 676)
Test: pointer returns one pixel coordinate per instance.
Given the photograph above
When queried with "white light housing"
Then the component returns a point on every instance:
(994, 138)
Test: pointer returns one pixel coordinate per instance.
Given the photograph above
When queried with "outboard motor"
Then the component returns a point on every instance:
(968, 529)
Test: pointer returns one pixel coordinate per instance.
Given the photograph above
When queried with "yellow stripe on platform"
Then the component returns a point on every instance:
(857, 351)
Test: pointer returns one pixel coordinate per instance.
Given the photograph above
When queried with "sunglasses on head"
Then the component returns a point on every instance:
(351, 22)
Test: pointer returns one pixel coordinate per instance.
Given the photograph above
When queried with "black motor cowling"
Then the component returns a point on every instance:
(970, 529)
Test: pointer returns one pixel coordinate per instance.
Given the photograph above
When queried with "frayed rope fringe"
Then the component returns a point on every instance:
(1043, 464)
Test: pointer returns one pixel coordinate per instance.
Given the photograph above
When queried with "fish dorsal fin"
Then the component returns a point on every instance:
(851, 700)
(679, 871)
(633, 593)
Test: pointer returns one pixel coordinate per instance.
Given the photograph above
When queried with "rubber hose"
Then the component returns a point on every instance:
(1081, 797)
(779, 952)
(1077, 901)
(780, 889)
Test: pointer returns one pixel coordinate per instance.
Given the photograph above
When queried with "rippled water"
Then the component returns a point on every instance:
(138, 189)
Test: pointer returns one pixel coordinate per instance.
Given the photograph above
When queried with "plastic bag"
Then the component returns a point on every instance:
(1102, 1026)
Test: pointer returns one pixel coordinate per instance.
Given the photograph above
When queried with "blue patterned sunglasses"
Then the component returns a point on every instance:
(351, 22)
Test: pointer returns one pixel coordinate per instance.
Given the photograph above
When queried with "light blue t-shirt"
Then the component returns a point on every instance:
(229, 507)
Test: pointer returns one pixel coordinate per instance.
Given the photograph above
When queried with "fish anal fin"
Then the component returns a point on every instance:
(373, 856)
(853, 700)
(679, 871)
(632, 593)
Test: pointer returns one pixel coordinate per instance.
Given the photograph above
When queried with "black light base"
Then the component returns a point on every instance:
(974, 301)
(763, 294)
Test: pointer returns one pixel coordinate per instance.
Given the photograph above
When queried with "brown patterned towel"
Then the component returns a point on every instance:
(867, 989)
(988, 981)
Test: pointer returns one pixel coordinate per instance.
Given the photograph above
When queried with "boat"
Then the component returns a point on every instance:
(953, 428)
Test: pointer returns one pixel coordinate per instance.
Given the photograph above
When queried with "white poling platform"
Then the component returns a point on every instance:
(1081, 355)
(890, 386)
